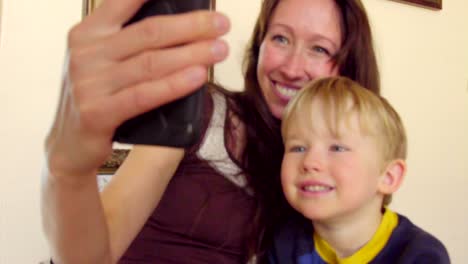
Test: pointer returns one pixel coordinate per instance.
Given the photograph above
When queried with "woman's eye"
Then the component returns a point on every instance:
(322, 50)
(338, 148)
(280, 39)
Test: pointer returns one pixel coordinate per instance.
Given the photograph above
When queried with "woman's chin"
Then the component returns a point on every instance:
(277, 111)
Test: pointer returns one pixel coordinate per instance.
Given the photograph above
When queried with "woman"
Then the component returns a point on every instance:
(205, 204)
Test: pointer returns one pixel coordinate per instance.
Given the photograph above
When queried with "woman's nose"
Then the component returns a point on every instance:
(293, 67)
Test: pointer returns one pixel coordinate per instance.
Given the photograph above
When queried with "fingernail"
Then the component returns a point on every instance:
(219, 50)
(221, 23)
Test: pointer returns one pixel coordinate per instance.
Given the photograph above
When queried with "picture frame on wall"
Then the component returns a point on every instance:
(118, 155)
(433, 4)
(114, 161)
(89, 6)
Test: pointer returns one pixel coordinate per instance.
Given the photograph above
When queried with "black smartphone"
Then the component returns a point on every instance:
(179, 123)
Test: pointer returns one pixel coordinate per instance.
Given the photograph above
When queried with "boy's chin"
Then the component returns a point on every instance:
(313, 215)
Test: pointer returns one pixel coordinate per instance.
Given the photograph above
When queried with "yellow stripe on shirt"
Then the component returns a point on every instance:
(369, 251)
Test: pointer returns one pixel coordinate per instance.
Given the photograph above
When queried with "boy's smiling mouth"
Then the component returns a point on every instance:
(315, 187)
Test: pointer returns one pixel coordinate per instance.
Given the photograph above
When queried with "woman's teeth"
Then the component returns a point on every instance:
(287, 92)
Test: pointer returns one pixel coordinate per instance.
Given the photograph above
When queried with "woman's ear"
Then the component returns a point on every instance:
(392, 177)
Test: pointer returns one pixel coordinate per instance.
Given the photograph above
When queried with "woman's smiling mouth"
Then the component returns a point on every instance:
(285, 92)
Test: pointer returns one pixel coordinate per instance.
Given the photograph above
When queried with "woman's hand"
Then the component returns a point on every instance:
(114, 73)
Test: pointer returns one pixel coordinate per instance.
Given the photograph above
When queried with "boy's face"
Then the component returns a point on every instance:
(325, 177)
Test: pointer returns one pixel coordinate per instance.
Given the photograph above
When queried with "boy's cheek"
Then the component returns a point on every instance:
(286, 182)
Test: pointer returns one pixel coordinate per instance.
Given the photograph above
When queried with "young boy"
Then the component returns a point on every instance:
(345, 151)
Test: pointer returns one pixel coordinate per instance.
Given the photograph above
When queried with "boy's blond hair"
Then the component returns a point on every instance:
(341, 98)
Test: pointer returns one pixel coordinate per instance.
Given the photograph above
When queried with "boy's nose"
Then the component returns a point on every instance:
(312, 162)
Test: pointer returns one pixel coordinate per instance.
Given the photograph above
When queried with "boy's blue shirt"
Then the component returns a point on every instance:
(408, 244)
(310, 258)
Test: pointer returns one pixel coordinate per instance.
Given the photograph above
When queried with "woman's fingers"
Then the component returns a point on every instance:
(143, 97)
(164, 31)
(131, 43)
(106, 19)
(154, 65)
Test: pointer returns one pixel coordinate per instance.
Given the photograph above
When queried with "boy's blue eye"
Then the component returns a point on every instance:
(338, 148)
(297, 149)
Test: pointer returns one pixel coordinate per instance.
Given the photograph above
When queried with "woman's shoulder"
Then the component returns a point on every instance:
(216, 109)
(232, 96)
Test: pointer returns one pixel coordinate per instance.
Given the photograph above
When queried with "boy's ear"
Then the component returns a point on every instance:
(392, 177)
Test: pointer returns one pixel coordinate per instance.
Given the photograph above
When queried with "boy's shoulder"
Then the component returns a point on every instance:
(292, 242)
(408, 244)
(411, 244)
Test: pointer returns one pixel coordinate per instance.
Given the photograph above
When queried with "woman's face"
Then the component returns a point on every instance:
(301, 39)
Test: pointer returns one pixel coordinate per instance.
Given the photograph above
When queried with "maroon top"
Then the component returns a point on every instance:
(202, 218)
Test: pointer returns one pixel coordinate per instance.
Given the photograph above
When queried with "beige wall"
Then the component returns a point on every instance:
(424, 60)
(423, 56)
(31, 54)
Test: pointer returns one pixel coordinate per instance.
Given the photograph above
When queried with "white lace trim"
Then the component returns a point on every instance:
(213, 149)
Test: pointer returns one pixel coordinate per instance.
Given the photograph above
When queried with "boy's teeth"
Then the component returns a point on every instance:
(288, 92)
(316, 188)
